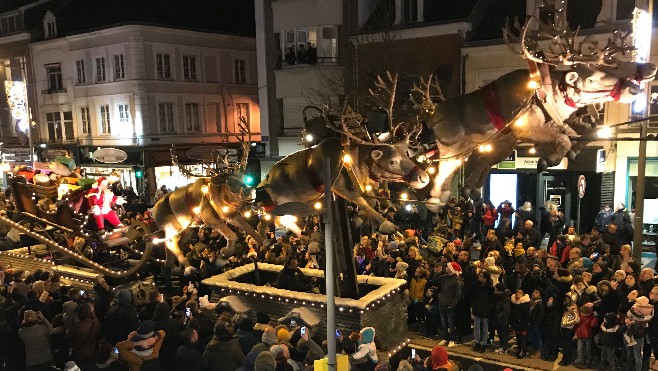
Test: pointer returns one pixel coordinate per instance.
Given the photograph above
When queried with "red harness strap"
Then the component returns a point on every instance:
(492, 106)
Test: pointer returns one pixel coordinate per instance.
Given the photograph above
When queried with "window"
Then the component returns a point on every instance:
(240, 71)
(54, 122)
(68, 125)
(105, 119)
(166, 117)
(49, 25)
(54, 72)
(8, 24)
(163, 65)
(119, 67)
(409, 11)
(189, 67)
(124, 114)
(84, 119)
(192, 117)
(101, 75)
(243, 111)
(80, 77)
(310, 45)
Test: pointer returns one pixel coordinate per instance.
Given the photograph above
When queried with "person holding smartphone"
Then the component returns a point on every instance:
(35, 331)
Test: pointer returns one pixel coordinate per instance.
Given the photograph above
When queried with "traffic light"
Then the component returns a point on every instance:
(252, 173)
(138, 172)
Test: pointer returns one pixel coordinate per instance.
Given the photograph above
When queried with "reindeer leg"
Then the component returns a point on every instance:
(441, 189)
(224, 230)
(242, 224)
(171, 244)
(344, 188)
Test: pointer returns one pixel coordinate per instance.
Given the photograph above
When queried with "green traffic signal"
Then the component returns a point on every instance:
(138, 174)
(249, 180)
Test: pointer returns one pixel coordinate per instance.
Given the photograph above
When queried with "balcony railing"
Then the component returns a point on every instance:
(321, 61)
(53, 91)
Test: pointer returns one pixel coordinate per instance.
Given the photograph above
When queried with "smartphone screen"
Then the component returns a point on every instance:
(303, 330)
(293, 323)
(188, 312)
(413, 353)
(115, 350)
(337, 333)
(82, 292)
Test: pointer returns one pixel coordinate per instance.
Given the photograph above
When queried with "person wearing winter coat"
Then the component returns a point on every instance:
(223, 353)
(609, 299)
(121, 319)
(35, 331)
(582, 294)
(490, 243)
(637, 321)
(585, 335)
(417, 296)
(366, 353)
(494, 270)
(570, 318)
(450, 292)
(84, 334)
(481, 304)
(560, 248)
(610, 341)
(501, 316)
(187, 356)
(104, 359)
(142, 347)
(519, 320)
(535, 320)
(245, 335)
(600, 272)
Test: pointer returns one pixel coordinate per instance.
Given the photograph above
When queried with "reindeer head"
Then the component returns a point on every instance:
(390, 162)
(593, 72)
(226, 185)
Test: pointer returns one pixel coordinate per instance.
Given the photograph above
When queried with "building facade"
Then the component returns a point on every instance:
(142, 89)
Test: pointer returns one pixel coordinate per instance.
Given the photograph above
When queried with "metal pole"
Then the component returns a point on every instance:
(329, 276)
(27, 108)
(638, 220)
(578, 217)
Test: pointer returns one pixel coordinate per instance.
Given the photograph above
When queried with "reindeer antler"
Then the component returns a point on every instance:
(390, 88)
(246, 145)
(425, 88)
(564, 48)
(174, 160)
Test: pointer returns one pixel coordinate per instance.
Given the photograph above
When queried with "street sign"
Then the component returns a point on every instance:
(581, 186)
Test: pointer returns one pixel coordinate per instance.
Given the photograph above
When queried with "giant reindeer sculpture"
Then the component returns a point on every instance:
(216, 201)
(510, 109)
(356, 166)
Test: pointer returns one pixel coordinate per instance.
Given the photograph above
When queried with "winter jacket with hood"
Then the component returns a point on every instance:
(223, 354)
(134, 360)
(450, 291)
(502, 308)
(121, 319)
(608, 303)
(367, 347)
(611, 335)
(35, 336)
(483, 299)
(536, 317)
(585, 328)
(520, 312)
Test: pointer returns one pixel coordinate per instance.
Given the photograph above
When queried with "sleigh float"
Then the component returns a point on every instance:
(55, 235)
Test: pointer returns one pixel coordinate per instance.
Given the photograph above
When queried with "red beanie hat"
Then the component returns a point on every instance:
(439, 356)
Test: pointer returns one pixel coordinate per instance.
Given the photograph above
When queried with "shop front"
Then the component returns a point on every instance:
(117, 164)
(516, 180)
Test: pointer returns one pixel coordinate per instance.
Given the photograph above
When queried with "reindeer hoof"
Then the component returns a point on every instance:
(571, 155)
(387, 227)
(542, 164)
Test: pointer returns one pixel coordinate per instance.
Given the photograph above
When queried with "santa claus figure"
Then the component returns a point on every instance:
(101, 200)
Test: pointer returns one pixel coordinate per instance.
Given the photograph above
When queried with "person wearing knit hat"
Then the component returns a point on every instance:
(366, 352)
(450, 292)
(637, 321)
(35, 331)
(494, 270)
(440, 360)
(401, 270)
(282, 334)
(268, 339)
(142, 345)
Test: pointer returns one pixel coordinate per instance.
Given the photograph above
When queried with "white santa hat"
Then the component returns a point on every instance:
(454, 268)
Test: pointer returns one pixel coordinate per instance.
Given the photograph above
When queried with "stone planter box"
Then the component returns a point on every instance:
(381, 307)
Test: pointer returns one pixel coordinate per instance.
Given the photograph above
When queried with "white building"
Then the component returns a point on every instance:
(141, 89)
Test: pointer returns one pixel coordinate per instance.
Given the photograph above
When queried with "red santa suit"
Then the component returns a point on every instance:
(101, 200)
